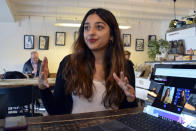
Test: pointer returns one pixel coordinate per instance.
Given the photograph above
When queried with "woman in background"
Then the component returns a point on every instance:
(166, 98)
(96, 76)
(182, 100)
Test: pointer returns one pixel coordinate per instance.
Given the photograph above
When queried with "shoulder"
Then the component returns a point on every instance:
(64, 61)
(129, 64)
(28, 62)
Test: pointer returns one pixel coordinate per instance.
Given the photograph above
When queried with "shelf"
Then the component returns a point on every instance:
(182, 28)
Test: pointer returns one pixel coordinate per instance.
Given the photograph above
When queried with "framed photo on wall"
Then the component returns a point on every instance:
(28, 41)
(139, 45)
(60, 38)
(127, 40)
(43, 42)
(152, 38)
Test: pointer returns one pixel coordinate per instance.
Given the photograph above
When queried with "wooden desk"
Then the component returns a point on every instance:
(72, 122)
(10, 83)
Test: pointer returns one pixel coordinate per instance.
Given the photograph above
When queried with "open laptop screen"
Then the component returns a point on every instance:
(174, 94)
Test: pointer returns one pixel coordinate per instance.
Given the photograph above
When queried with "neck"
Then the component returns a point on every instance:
(99, 56)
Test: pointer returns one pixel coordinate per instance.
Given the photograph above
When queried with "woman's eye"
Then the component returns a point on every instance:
(86, 27)
(99, 27)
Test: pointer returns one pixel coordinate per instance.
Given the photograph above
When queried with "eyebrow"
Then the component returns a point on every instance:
(87, 23)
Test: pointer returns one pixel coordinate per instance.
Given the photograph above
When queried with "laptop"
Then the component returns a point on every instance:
(163, 109)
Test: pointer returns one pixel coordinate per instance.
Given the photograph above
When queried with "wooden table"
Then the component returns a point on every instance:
(72, 122)
(11, 83)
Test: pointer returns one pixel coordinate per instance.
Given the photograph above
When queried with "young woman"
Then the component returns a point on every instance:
(166, 98)
(182, 100)
(96, 76)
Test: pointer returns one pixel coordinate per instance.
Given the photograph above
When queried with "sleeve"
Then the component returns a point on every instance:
(58, 102)
(25, 69)
(125, 103)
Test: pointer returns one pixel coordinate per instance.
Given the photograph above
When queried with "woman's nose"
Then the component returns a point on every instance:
(92, 31)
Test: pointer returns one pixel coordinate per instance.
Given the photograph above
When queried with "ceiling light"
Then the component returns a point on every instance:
(67, 24)
(78, 25)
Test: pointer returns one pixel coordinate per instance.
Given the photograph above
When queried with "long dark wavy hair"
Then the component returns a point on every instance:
(80, 69)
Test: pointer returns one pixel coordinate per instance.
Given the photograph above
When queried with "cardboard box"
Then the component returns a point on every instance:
(142, 83)
(179, 58)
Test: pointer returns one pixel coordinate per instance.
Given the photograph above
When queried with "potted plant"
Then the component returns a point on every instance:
(157, 47)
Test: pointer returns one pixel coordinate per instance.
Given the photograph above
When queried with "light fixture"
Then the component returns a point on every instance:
(78, 25)
(175, 20)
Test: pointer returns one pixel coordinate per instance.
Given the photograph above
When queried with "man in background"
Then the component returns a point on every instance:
(127, 56)
(32, 66)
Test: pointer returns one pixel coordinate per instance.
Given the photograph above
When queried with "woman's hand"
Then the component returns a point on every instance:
(43, 75)
(123, 82)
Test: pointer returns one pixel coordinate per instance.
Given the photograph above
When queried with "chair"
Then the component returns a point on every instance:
(52, 75)
(18, 98)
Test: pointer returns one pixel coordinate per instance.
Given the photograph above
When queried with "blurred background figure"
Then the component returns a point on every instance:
(127, 56)
(32, 66)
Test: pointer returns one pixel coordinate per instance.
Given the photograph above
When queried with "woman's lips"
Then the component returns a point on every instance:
(92, 40)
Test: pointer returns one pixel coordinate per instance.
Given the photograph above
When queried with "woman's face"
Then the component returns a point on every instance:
(167, 92)
(96, 33)
(183, 93)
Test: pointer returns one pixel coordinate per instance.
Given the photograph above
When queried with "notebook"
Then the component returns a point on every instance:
(166, 107)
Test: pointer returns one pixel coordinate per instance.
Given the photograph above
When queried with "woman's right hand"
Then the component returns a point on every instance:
(43, 75)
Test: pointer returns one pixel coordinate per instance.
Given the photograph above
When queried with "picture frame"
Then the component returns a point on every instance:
(139, 46)
(43, 42)
(151, 38)
(28, 41)
(127, 40)
(76, 34)
(60, 38)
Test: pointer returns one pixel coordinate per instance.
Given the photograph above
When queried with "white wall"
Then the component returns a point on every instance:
(13, 55)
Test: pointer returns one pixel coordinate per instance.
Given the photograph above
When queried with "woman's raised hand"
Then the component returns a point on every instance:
(123, 83)
(43, 75)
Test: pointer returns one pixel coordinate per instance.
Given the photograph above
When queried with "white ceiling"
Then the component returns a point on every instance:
(124, 10)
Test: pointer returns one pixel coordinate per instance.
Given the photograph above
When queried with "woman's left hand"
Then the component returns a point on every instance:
(123, 83)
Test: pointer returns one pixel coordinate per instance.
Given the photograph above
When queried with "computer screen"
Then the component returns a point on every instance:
(177, 83)
(162, 72)
(174, 94)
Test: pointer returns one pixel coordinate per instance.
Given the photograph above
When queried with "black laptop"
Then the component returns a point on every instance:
(163, 114)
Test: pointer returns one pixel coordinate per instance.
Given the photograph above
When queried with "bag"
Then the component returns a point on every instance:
(13, 75)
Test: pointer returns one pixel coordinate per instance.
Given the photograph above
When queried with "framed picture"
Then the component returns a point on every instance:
(43, 42)
(127, 40)
(76, 34)
(139, 46)
(60, 38)
(28, 41)
(151, 38)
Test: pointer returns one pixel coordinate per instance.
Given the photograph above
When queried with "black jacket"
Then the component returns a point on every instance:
(61, 103)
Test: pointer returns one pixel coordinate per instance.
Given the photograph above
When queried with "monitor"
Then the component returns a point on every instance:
(162, 72)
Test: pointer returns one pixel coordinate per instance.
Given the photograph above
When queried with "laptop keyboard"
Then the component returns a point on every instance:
(145, 122)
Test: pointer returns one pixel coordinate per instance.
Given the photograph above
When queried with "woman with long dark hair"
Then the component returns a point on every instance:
(96, 76)
(182, 100)
(166, 98)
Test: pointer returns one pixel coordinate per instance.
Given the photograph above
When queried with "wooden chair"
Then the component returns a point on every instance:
(52, 75)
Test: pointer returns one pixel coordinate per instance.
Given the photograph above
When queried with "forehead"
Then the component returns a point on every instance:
(34, 55)
(94, 18)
